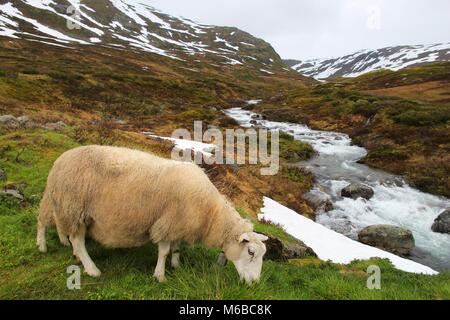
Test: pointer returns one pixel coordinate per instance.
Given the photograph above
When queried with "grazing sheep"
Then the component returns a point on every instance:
(124, 198)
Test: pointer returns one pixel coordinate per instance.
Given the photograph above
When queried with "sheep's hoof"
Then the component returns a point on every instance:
(94, 273)
(64, 241)
(42, 248)
(160, 278)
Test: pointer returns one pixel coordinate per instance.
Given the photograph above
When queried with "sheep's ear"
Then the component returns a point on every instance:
(245, 238)
(261, 237)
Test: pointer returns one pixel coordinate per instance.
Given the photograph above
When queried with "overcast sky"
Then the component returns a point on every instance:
(304, 29)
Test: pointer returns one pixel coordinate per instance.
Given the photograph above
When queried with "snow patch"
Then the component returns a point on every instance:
(11, 11)
(253, 102)
(180, 144)
(266, 71)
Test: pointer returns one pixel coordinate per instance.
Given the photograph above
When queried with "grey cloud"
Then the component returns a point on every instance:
(322, 28)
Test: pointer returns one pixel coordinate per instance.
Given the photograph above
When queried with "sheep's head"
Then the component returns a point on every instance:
(247, 254)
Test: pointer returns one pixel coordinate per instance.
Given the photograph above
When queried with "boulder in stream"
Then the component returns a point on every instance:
(356, 191)
(442, 223)
(399, 241)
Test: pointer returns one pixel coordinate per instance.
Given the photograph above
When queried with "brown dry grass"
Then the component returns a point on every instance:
(433, 91)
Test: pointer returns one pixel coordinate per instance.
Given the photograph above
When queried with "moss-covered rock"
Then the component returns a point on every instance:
(390, 238)
(442, 223)
(356, 191)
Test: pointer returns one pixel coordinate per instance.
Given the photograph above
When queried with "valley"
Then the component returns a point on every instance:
(128, 68)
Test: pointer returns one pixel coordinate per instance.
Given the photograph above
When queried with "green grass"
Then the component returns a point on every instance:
(127, 274)
(294, 150)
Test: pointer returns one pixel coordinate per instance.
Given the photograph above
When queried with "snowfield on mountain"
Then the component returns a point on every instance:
(365, 61)
(134, 24)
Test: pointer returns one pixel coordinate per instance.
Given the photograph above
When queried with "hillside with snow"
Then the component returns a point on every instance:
(127, 24)
(364, 61)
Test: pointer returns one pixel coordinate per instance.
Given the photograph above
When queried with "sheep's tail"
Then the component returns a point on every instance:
(45, 219)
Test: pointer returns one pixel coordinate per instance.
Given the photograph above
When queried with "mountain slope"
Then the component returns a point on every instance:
(427, 83)
(125, 24)
(361, 62)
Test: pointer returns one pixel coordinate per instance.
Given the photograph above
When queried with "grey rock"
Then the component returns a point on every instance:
(257, 117)
(319, 201)
(277, 250)
(393, 239)
(274, 249)
(23, 119)
(297, 250)
(326, 206)
(9, 121)
(16, 194)
(26, 123)
(356, 191)
(57, 126)
(442, 223)
(3, 176)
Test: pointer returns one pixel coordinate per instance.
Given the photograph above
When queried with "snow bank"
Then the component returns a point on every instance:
(253, 102)
(330, 245)
(180, 144)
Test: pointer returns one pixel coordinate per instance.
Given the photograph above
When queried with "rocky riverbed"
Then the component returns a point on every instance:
(393, 202)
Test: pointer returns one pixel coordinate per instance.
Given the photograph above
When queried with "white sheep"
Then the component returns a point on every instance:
(125, 198)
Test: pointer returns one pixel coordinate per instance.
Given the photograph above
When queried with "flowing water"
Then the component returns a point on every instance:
(395, 202)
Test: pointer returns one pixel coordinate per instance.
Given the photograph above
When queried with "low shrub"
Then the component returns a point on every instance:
(388, 153)
(294, 150)
(365, 108)
(197, 115)
(422, 118)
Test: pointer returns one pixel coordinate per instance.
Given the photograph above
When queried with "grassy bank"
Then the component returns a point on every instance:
(27, 157)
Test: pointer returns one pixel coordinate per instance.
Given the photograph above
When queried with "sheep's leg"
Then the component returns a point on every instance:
(64, 239)
(175, 255)
(79, 250)
(163, 252)
(222, 260)
(41, 242)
